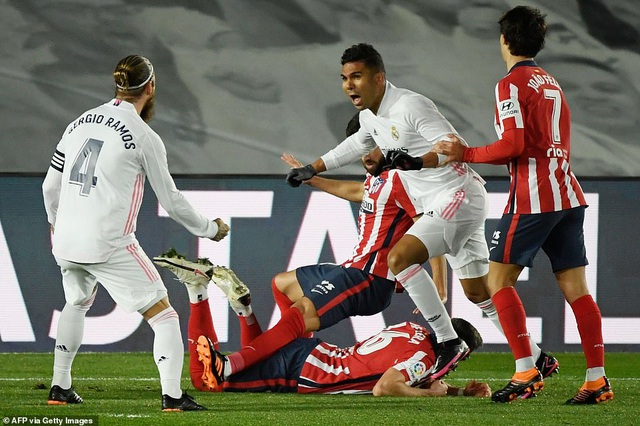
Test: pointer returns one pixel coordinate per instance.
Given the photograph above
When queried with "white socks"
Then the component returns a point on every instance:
(490, 311)
(168, 350)
(197, 293)
(594, 374)
(422, 290)
(68, 341)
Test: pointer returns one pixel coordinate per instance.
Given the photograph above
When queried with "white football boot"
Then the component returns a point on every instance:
(187, 272)
(236, 292)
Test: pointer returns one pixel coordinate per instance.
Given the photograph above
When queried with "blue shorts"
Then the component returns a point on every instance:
(278, 373)
(339, 293)
(518, 237)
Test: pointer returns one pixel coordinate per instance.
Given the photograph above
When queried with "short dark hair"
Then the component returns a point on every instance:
(524, 29)
(467, 332)
(353, 125)
(366, 53)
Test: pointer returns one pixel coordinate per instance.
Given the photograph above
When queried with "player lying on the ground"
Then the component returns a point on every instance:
(396, 361)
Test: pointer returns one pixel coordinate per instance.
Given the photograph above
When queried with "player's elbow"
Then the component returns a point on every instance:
(384, 388)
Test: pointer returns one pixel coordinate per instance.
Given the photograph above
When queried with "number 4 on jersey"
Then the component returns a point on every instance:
(84, 166)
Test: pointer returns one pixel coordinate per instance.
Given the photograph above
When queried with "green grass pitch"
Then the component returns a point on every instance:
(123, 388)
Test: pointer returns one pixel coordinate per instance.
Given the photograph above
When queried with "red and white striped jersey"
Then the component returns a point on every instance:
(533, 122)
(406, 347)
(385, 215)
(94, 187)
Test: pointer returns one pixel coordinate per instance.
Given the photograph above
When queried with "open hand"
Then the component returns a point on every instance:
(452, 147)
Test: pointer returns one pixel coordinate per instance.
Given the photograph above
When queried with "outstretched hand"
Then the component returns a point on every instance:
(290, 160)
(297, 176)
(452, 147)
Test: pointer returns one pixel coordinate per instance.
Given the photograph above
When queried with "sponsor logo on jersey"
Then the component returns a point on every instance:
(367, 205)
(506, 105)
(508, 108)
(555, 152)
(394, 133)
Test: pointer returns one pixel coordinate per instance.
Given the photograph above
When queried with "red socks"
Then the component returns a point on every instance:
(249, 329)
(589, 321)
(282, 301)
(513, 320)
(200, 324)
(290, 327)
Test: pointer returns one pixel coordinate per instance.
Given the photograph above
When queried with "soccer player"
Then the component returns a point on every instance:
(92, 195)
(545, 208)
(405, 125)
(315, 297)
(298, 285)
(396, 361)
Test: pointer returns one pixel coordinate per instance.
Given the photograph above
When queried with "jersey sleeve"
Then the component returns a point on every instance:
(499, 152)
(52, 184)
(414, 369)
(154, 162)
(424, 116)
(510, 126)
(349, 150)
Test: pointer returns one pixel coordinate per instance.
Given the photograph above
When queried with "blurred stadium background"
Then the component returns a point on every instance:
(241, 81)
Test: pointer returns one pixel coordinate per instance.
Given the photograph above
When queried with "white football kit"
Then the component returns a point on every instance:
(452, 197)
(92, 194)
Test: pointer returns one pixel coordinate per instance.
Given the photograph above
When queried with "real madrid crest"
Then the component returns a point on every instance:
(394, 133)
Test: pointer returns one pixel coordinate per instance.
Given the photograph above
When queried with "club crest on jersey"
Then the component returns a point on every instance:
(395, 135)
(376, 185)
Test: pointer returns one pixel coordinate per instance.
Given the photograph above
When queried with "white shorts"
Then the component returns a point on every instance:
(472, 261)
(129, 276)
(454, 225)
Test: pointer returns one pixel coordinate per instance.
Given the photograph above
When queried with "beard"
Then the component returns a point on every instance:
(148, 110)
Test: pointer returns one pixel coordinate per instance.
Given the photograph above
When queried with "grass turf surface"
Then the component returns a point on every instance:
(123, 388)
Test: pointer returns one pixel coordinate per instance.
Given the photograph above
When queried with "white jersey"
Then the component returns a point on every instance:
(410, 122)
(94, 187)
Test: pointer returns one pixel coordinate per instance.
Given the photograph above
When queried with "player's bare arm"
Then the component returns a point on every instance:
(392, 383)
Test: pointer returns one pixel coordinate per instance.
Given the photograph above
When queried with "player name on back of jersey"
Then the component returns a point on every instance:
(111, 122)
(538, 80)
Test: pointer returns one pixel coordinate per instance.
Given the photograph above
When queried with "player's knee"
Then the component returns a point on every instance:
(408, 251)
(397, 261)
(475, 289)
(309, 314)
